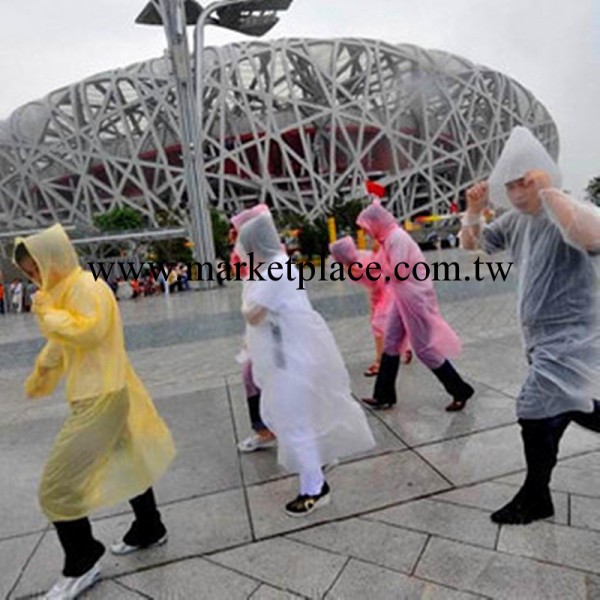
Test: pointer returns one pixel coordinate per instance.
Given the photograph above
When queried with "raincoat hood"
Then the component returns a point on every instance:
(344, 250)
(377, 221)
(522, 152)
(237, 221)
(54, 254)
(260, 237)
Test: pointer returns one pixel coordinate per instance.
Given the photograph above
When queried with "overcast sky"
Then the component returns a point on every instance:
(552, 47)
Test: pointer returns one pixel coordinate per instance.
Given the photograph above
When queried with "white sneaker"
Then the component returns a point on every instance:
(68, 588)
(121, 548)
(256, 442)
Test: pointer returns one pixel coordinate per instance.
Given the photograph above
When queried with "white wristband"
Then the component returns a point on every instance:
(470, 220)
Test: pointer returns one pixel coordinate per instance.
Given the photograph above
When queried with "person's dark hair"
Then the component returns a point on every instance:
(21, 253)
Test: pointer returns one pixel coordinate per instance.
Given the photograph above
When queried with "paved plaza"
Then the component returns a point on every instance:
(411, 519)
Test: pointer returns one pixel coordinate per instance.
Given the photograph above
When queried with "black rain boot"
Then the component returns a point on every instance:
(534, 501)
(148, 528)
(82, 550)
(384, 392)
(455, 385)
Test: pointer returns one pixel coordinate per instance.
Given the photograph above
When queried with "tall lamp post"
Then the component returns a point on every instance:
(251, 17)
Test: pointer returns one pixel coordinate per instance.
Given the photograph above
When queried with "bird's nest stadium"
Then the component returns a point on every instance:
(301, 123)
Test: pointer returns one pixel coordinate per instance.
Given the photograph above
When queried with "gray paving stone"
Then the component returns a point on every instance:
(490, 454)
(359, 486)
(196, 526)
(500, 364)
(207, 460)
(13, 556)
(490, 496)
(196, 578)
(497, 575)
(360, 580)
(109, 589)
(266, 592)
(189, 367)
(24, 447)
(286, 564)
(382, 544)
(585, 512)
(577, 475)
(458, 523)
(556, 544)
(419, 417)
(580, 475)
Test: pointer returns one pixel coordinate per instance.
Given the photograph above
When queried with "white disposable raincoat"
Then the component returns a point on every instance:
(306, 399)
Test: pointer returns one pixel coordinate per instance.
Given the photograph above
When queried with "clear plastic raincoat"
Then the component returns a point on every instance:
(428, 333)
(306, 399)
(114, 445)
(556, 251)
(381, 298)
(236, 222)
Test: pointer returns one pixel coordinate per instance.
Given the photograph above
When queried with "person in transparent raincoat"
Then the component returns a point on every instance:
(114, 445)
(415, 318)
(306, 399)
(381, 299)
(261, 437)
(554, 241)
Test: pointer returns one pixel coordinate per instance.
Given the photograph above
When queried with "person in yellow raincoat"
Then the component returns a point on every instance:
(114, 445)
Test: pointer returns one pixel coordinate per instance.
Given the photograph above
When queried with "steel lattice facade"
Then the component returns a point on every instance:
(300, 122)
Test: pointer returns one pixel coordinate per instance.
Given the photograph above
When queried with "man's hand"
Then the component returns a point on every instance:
(40, 302)
(477, 198)
(254, 315)
(538, 180)
(36, 384)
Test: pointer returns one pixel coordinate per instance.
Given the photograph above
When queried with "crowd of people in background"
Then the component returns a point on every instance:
(16, 297)
(177, 280)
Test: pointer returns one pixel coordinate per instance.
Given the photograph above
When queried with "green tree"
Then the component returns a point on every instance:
(220, 227)
(345, 214)
(172, 250)
(119, 219)
(313, 238)
(593, 190)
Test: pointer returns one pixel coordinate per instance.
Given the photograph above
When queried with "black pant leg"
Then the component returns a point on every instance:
(144, 506)
(254, 411)
(82, 550)
(541, 440)
(148, 527)
(589, 420)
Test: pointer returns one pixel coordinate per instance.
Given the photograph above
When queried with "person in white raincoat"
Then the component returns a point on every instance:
(306, 399)
(554, 241)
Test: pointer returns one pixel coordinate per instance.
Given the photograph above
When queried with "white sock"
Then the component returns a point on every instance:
(311, 481)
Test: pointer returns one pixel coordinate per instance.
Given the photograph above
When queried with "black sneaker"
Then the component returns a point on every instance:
(520, 511)
(305, 504)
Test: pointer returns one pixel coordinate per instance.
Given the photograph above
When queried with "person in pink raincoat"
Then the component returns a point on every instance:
(415, 316)
(381, 299)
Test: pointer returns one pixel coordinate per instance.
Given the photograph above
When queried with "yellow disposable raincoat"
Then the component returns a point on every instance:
(114, 445)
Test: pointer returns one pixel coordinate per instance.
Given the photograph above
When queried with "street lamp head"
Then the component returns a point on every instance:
(246, 22)
(251, 17)
(150, 14)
